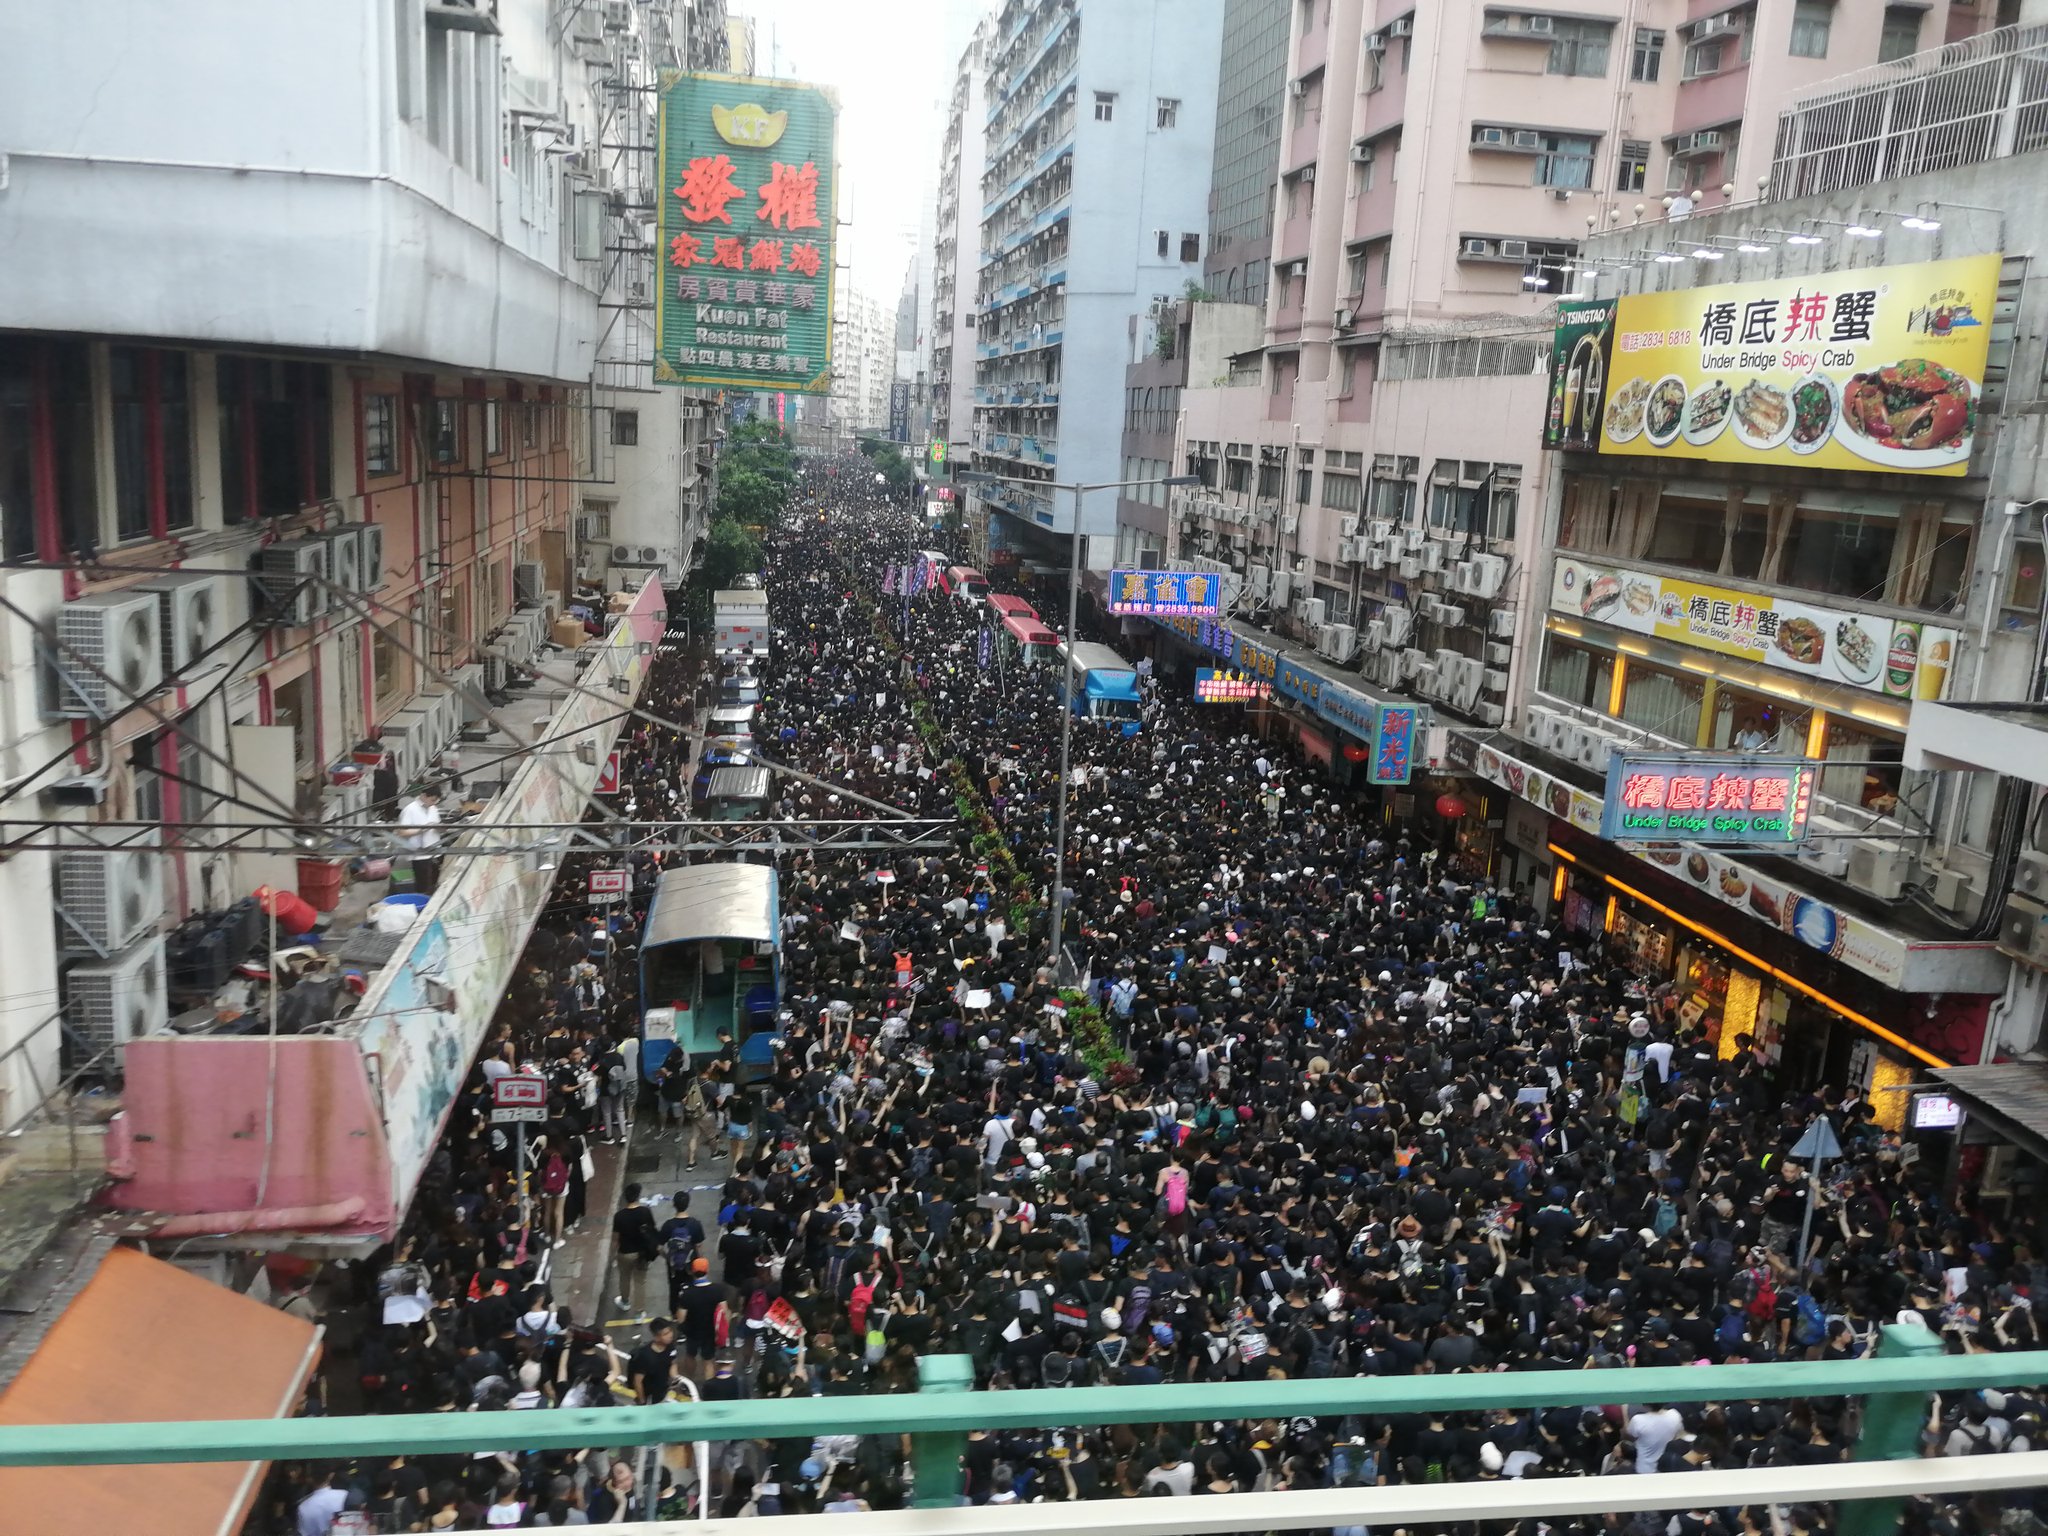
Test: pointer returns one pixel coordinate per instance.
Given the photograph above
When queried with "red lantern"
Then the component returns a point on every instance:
(1354, 753)
(1450, 807)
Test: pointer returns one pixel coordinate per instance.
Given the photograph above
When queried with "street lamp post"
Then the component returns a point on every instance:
(1059, 870)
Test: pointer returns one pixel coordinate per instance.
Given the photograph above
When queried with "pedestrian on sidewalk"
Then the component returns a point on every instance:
(636, 1242)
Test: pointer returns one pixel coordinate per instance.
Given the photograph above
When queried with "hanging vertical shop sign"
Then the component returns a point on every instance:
(745, 239)
(1393, 753)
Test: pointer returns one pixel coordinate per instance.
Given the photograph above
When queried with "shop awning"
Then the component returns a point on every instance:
(2011, 1097)
(142, 1341)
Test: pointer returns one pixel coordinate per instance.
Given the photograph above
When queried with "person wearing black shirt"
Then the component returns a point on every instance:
(651, 1367)
(636, 1243)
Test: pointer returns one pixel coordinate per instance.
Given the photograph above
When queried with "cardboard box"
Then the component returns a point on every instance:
(569, 633)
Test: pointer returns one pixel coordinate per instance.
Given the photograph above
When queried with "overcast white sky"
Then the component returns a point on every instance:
(891, 62)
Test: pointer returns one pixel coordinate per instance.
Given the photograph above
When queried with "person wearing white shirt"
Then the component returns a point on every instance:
(421, 816)
(1652, 1430)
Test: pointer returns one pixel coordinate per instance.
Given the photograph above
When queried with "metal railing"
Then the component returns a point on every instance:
(1980, 99)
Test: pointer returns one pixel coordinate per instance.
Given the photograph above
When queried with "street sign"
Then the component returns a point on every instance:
(531, 1114)
(608, 777)
(519, 1091)
(607, 885)
(1820, 1141)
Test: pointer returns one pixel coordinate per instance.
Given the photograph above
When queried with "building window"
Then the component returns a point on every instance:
(152, 419)
(1632, 169)
(1375, 70)
(1579, 47)
(1347, 371)
(1577, 674)
(447, 436)
(626, 429)
(494, 429)
(1105, 106)
(1163, 239)
(1566, 161)
(1169, 111)
(1811, 21)
(1871, 777)
(1901, 36)
(1304, 477)
(1354, 270)
(529, 424)
(1704, 58)
(276, 436)
(1190, 247)
(1646, 59)
(1341, 485)
(380, 434)
(1663, 703)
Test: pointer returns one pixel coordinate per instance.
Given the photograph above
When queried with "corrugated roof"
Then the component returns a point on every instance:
(713, 901)
(2012, 1096)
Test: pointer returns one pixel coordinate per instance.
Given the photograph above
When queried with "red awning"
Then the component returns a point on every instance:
(145, 1341)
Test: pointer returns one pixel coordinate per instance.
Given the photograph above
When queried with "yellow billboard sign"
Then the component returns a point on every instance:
(1870, 368)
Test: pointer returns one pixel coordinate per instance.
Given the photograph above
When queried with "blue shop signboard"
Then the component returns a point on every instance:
(1349, 710)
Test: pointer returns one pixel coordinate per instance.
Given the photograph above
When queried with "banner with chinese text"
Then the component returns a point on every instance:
(1900, 657)
(1216, 687)
(1393, 751)
(1871, 367)
(1173, 593)
(745, 233)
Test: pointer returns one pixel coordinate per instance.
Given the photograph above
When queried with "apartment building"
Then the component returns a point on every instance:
(238, 339)
(1365, 469)
(863, 363)
(956, 251)
(1100, 126)
(654, 447)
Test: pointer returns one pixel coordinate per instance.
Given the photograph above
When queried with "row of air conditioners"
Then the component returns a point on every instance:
(1481, 576)
(1567, 737)
(418, 734)
(1383, 668)
(1438, 612)
(295, 581)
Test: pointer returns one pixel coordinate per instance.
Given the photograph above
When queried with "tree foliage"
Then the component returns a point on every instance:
(730, 552)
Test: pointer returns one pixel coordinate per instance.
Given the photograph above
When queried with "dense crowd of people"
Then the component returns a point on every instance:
(1323, 1105)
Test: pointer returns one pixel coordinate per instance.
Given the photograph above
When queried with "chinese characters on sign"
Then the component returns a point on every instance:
(1706, 798)
(748, 179)
(1170, 594)
(1393, 752)
(1214, 687)
(1873, 366)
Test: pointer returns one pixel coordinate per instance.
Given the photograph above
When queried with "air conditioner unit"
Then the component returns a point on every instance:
(1337, 641)
(1400, 623)
(2021, 926)
(1401, 28)
(1501, 623)
(1489, 136)
(189, 618)
(1541, 26)
(1540, 726)
(1432, 556)
(108, 1003)
(1499, 655)
(1526, 138)
(1450, 614)
(1461, 576)
(370, 557)
(1374, 43)
(110, 653)
(107, 900)
(1258, 578)
(1412, 662)
(1519, 249)
(497, 671)
(1713, 26)
(1705, 139)
(1289, 524)
(1374, 554)
(1424, 680)
(1827, 846)
(1283, 588)
(1879, 868)
(2030, 878)
(1347, 527)
(285, 589)
(1490, 574)
(1375, 637)
(1311, 612)
(1489, 714)
(1362, 154)
(529, 580)
(1496, 681)
(1346, 318)
(1297, 88)
(1410, 567)
(344, 566)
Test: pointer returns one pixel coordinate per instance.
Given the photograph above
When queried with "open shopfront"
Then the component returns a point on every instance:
(1738, 997)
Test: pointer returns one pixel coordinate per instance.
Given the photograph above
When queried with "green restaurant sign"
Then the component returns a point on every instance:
(748, 187)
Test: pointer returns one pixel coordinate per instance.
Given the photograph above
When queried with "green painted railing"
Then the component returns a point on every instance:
(1909, 1366)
